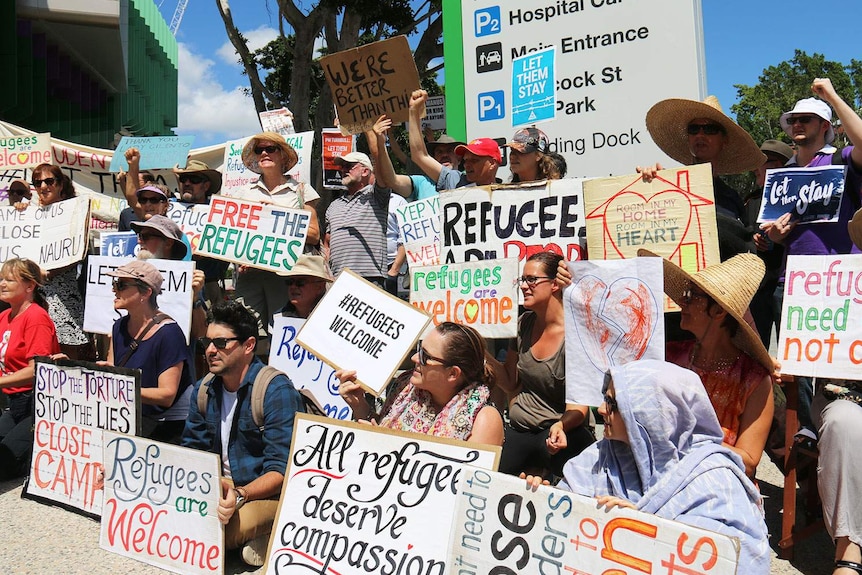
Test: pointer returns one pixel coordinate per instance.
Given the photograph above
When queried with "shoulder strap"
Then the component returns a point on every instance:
(202, 393)
(258, 392)
(133, 347)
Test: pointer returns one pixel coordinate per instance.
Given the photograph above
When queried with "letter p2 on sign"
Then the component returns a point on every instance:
(486, 21)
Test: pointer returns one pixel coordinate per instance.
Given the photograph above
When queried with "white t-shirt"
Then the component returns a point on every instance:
(228, 408)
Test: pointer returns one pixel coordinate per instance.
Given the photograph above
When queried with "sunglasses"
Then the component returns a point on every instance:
(611, 403)
(708, 129)
(47, 181)
(151, 200)
(801, 119)
(120, 285)
(148, 236)
(689, 295)
(218, 342)
(302, 283)
(268, 149)
(424, 356)
(532, 281)
(191, 179)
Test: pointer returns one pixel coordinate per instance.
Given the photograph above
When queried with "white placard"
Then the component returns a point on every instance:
(235, 176)
(54, 236)
(191, 219)
(420, 231)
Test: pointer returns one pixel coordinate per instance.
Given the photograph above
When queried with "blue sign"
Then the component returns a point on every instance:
(156, 152)
(533, 87)
(486, 21)
(811, 194)
(492, 105)
(119, 244)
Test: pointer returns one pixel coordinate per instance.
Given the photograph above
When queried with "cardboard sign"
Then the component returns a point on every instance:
(161, 505)
(119, 244)
(263, 236)
(156, 152)
(821, 318)
(502, 527)
(371, 80)
(810, 194)
(356, 496)
(483, 295)
(533, 86)
(334, 144)
(614, 315)
(435, 113)
(54, 236)
(306, 370)
(279, 121)
(191, 218)
(74, 402)
(175, 299)
(512, 221)
(361, 327)
(19, 152)
(420, 231)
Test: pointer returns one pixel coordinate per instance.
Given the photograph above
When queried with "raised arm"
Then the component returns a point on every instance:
(850, 120)
(133, 180)
(418, 151)
(383, 168)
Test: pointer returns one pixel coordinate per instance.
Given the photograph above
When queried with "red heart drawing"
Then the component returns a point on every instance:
(617, 321)
(660, 225)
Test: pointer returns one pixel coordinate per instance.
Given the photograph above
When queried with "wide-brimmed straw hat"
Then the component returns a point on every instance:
(201, 169)
(309, 265)
(854, 226)
(250, 159)
(668, 120)
(732, 284)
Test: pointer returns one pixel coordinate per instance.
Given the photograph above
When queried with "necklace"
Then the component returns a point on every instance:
(719, 364)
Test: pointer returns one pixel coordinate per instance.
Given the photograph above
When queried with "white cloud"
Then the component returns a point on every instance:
(256, 39)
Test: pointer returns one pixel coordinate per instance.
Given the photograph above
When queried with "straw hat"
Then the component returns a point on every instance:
(854, 226)
(201, 169)
(249, 158)
(731, 283)
(668, 120)
(308, 265)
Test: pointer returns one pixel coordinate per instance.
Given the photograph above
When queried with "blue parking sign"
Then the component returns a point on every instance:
(533, 87)
(486, 21)
(492, 105)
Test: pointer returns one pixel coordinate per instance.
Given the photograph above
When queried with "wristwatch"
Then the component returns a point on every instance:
(240, 498)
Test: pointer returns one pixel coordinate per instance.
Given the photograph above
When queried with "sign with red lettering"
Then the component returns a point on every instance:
(263, 236)
(500, 526)
(512, 221)
(53, 236)
(363, 499)
(74, 402)
(819, 337)
(190, 218)
(371, 80)
(161, 505)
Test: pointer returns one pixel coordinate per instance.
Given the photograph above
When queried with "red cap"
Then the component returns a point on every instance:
(481, 147)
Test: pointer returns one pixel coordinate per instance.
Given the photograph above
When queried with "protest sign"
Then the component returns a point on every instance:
(306, 370)
(435, 113)
(191, 218)
(512, 221)
(810, 194)
(419, 228)
(175, 299)
(533, 86)
(303, 144)
(483, 295)
(161, 505)
(355, 494)
(119, 244)
(361, 327)
(614, 315)
(235, 175)
(502, 527)
(54, 236)
(279, 121)
(822, 295)
(74, 402)
(20, 152)
(156, 152)
(263, 236)
(371, 80)
(334, 144)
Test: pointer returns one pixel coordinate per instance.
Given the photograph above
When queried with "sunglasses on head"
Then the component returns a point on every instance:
(120, 285)
(424, 356)
(708, 129)
(801, 119)
(192, 179)
(611, 403)
(218, 342)
(47, 181)
(151, 200)
(268, 149)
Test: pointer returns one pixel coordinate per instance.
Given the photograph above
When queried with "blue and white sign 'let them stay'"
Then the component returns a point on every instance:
(810, 194)
(533, 84)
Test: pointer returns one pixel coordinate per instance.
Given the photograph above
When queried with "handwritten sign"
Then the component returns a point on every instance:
(435, 113)
(821, 318)
(306, 370)
(502, 527)
(156, 152)
(420, 230)
(359, 326)
(18, 152)
(512, 221)
(279, 121)
(533, 86)
(375, 496)
(175, 299)
(480, 294)
(267, 237)
(160, 505)
(335, 144)
(371, 80)
(235, 175)
(119, 244)
(54, 236)
(74, 402)
(191, 218)
(303, 144)
(614, 315)
(810, 194)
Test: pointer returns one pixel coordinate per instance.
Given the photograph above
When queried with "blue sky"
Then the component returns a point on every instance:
(741, 39)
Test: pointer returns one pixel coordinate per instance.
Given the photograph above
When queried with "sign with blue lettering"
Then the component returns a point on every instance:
(119, 244)
(492, 105)
(533, 82)
(810, 194)
(487, 21)
(156, 152)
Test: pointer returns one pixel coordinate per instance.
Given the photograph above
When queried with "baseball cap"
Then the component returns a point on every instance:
(141, 271)
(481, 147)
(528, 140)
(354, 158)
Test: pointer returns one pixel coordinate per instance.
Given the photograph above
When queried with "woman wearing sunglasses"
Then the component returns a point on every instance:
(662, 453)
(445, 395)
(543, 431)
(149, 340)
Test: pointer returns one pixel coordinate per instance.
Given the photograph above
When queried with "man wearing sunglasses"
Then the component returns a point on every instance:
(254, 457)
(197, 182)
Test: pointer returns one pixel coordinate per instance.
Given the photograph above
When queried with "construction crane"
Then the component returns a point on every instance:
(178, 16)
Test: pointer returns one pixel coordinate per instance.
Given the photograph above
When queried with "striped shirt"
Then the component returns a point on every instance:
(356, 225)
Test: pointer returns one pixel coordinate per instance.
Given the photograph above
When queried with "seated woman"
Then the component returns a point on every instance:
(446, 394)
(726, 353)
(149, 340)
(662, 453)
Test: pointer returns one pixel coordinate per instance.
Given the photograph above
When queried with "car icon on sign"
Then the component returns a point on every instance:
(493, 57)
